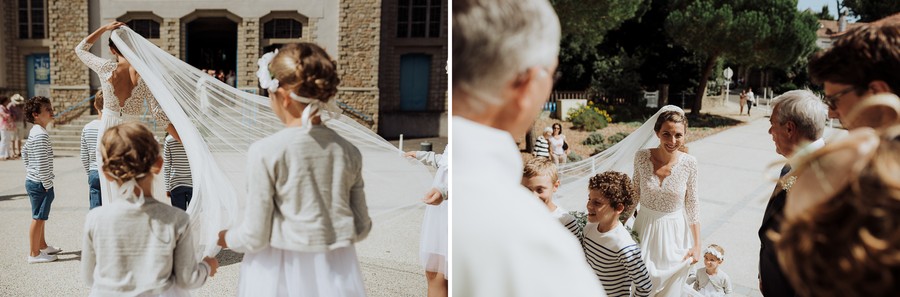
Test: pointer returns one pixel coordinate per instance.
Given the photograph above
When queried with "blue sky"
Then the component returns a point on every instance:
(816, 6)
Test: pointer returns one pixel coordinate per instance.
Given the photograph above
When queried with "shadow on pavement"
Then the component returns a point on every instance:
(227, 257)
(77, 256)
(710, 121)
(13, 197)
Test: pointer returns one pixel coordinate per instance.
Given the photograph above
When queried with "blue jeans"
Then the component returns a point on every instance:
(181, 197)
(40, 199)
(94, 184)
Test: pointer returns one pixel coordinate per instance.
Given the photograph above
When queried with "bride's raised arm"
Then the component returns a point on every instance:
(103, 67)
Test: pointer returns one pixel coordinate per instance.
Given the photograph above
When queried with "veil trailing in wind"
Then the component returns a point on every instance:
(217, 124)
(574, 177)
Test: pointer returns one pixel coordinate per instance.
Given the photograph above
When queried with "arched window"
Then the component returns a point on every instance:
(419, 18)
(145, 27)
(32, 19)
(282, 28)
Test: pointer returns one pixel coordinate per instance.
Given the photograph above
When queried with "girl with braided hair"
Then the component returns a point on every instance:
(305, 206)
(137, 245)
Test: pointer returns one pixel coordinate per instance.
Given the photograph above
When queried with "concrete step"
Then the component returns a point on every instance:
(67, 138)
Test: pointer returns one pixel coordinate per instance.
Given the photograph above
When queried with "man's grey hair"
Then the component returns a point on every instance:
(803, 108)
(495, 40)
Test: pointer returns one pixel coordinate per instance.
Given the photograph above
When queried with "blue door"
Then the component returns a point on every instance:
(415, 70)
(37, 74)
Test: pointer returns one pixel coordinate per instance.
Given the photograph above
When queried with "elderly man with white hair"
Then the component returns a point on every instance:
(798, 122)
(505, 242)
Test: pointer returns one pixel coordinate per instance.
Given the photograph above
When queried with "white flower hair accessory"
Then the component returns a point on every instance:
(267, 80)
(714, 252)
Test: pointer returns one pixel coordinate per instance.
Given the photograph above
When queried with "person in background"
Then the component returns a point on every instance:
(710, 281)
(505, 242)
(860, 64)
(89, 153)
(542, 144)
(797, 125)
(137, 246)
(434, 246)
(17, 109)
(37, 154)
(177, 170)
(7, 129)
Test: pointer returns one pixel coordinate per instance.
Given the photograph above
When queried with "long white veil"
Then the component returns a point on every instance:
(217, 124)
(574, 177)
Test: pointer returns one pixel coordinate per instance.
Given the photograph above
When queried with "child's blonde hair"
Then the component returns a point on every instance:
(98, 100)
(712, 249)
(307, 70)
(615, 186)
(541, 166)
(129, 151)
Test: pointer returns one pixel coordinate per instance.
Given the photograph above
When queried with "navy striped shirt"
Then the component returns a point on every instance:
(176, 169)
(614, 256)
(37, 154)
(89, 146)
(542, 147)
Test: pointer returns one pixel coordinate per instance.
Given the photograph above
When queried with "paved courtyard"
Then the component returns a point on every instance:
(388, 257)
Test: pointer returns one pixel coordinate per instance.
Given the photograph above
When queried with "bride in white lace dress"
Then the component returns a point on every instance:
(668, 223)
(124, 91)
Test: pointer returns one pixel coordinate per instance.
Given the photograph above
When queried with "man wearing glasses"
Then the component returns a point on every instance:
(863, 62)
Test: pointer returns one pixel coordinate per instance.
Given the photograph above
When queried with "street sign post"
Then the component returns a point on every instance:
(728, 73)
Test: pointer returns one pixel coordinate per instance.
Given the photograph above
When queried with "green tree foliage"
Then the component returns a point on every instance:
(751, 32)
(872, 10)
(584, 26)
(824, 14)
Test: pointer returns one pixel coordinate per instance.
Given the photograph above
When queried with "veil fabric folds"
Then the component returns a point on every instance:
(574, 177)
(218, 123)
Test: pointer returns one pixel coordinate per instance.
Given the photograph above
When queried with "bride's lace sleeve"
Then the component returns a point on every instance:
(101, 66)
(157, 111)
(143, 94)
(691, 199)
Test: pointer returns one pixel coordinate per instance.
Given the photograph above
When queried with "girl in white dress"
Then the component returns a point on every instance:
(305, 207)
(668, 223)
(433, 246)
(125, 94)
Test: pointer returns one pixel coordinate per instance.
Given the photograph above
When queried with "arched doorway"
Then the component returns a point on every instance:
(211, 43)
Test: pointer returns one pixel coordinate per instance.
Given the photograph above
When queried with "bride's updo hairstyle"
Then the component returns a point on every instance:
(674, 117)
(129, 151)
(307, 70)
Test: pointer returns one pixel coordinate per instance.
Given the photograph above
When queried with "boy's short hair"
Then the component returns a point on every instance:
(615, 186)
(864, 54)
(541, 166)
(548, 130)
(98, 100)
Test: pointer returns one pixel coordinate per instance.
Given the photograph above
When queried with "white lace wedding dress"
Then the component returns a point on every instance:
(668, 206)
(115, 112)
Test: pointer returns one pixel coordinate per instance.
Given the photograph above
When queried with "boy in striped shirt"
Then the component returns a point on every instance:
(37, 154)
(542, 145)
(89, 152)
(177, 170)
(608, 246)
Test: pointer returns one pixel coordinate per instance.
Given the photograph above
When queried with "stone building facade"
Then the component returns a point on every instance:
(230, 35)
